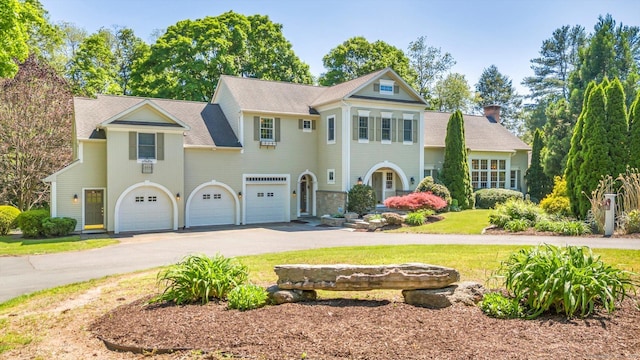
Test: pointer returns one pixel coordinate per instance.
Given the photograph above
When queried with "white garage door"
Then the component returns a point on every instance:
(266, 203)
(146, 208)
(212, 205)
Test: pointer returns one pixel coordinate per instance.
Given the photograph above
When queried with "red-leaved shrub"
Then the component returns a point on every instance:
(416, 201)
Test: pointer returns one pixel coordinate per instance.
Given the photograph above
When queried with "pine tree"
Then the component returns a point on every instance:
(634, 133)
(595, 149)
(538, 182)
(455, 170)
(575, 156)
(617, 128)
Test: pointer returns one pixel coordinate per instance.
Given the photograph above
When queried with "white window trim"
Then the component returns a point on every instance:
(331, 142)
(304, 128)
(385, 83)
(329, 173)
(386, 115)
(407, 117)
(363, 113)
(155, 144)
(273, 129)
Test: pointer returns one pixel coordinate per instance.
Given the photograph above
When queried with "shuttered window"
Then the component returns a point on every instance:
(146, 146)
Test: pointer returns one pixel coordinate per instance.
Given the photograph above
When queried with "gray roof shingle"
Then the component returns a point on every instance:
(480, 133)
(209, 127)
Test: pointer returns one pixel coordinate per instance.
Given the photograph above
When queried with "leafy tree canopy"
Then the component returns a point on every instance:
(187, 61)
(19, 23)
(453, 93)
(357, 57)
(429, 65)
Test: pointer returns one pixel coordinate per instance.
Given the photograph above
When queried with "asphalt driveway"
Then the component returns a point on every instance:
(25, 274)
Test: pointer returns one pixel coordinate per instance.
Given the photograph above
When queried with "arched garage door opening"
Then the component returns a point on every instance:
(146, 207)
(211, 204)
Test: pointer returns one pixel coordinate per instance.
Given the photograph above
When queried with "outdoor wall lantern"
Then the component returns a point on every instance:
(240, 194)
(75, 198)
(413, 180)
(359, 180)
(294, 193)
(178, 196)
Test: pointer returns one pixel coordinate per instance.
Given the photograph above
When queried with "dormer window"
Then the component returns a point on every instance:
(386, 87)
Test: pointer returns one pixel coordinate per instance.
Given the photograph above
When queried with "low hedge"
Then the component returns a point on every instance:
(8, 215)
(58, 226)
(489, 198)
(30, 223)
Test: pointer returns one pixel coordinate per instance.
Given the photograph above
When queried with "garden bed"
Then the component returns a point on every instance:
(368, 329)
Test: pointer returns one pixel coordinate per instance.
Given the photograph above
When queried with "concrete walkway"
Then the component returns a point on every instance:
(25, 274)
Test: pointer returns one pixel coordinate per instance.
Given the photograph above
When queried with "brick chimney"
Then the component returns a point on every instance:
(492, 112)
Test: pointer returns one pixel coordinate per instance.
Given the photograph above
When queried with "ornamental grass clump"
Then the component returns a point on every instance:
(199, 278)
(568, 280)
(515, 209)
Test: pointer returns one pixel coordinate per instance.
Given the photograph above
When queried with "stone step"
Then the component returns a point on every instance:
(356, 225)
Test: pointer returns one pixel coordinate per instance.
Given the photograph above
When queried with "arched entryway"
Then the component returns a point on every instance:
(386, 179)
(306, 194)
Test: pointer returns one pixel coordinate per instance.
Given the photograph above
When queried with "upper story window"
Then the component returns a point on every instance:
(407, 129)
(363, 128)
(146, 146)
(306, 125)
(385, 127)
(386, 87)
(331, 129)
(267, 129)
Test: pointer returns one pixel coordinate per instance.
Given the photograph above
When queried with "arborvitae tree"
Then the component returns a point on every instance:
(455, 170)
(634, 133)
(538, 182)
(557, 137)
(595, 149)
(575, 156)
(617, 128)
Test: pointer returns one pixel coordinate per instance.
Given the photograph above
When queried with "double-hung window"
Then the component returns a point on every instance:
(407, 129)
(267, 129)
(146, 146)
(385, 128)
(363, 127)
(331, 130)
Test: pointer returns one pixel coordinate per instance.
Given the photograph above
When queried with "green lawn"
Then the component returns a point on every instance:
(463, 222)
(14, 246)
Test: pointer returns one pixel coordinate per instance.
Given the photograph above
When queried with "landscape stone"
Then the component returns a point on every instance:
(468, 293)
(278, 296)
(345, 277)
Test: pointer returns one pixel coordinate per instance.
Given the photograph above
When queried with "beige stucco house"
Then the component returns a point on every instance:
(260, 151)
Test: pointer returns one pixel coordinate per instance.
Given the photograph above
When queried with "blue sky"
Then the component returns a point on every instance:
(478, 33)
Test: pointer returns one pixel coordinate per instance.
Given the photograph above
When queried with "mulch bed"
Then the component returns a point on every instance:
(367, 329)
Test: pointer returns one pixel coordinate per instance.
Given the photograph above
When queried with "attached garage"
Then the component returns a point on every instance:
(145, 208)
(211, 205)
(267, 199)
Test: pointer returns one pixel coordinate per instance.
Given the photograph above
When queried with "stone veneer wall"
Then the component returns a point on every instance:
(330, 202)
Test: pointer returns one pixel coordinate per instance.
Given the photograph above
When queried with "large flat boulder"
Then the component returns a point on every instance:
(345, 277)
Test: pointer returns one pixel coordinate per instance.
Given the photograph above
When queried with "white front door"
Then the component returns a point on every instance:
(383, 183)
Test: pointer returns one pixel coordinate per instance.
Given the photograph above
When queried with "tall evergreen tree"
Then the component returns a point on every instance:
(575, 156)
(595, 148)
(538, 182)
(617, 128)
(557, 129)
(496, 88)
(634, 133)
(455, 170)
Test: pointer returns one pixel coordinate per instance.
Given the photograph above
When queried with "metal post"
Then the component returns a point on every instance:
(609, 213)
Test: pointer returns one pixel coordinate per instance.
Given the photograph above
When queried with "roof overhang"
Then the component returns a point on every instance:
(114, 120)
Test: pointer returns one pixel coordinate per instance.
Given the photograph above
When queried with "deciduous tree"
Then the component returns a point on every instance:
(455, 169)
(429, 65)
(35, 131)
(452, 93)
(187, 61)
(357, 57)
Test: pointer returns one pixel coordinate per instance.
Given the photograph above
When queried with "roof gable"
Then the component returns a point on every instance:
(363, 88)
(146, 113)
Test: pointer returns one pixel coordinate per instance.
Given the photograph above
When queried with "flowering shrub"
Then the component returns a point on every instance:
(416, 201)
